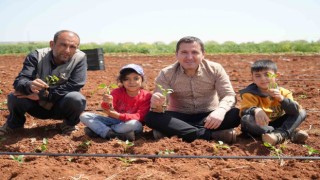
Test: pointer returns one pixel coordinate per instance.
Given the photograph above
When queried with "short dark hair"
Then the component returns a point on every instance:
(190, 39)
(57, 34)
(264, 64)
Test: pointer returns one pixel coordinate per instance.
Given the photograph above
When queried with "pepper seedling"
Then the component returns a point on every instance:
(272, 85)
(108, 89)
(165, 93)
(51, 81)
(19, 158)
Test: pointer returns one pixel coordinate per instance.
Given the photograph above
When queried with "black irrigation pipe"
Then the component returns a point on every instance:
(162, 156)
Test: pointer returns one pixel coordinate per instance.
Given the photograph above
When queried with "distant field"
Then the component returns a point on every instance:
(157, 48)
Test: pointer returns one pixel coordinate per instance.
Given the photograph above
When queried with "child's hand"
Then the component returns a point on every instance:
(105, 105)
(107, 102)
(107, 98)
(261, 117)
(275, 93)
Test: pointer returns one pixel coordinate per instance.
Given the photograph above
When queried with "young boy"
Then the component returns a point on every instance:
(268, 110)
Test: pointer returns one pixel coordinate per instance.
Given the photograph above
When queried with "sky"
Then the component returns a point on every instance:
(151, 21)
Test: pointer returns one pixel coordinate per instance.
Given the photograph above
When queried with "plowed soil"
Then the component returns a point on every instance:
(202, 159)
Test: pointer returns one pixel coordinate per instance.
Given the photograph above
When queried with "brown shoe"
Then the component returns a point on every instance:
(299, 136)
(227, 136)
(130, 136)
(273, 138)
(67, 129)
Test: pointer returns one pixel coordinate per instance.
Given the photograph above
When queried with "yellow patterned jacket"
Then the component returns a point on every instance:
(253, 98)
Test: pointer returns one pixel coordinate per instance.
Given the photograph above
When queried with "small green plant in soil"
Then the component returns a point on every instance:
(166, 152)
(218, 146)
(19, 159)
(125, 145)
(275, 151)
(302, 96)
(127, 161)
(43, 147)
(311, 150)
(85, 145)
(3, 103)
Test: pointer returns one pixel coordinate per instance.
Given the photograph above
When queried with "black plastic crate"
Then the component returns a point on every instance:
(95, 59)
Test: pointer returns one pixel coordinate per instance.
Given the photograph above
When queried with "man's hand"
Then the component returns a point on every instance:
(33, 96)
(37, 85)
(261, 117)
(215, 118)
(157, 100)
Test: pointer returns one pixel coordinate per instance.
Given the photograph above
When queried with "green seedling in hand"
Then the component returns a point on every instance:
(311, 150)
(166, 152)
(108, 89)
(165, 93)
(272, 85)
(19, 158)
(52, 80)
(275, 151)
(43, 147)
(126, 145)
(219, 145)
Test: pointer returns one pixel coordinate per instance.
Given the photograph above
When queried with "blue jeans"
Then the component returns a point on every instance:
(67, 108)
(101, 124)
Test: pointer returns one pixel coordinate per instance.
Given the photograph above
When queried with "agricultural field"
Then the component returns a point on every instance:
(168, 158)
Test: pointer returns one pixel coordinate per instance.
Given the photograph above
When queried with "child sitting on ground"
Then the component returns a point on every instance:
(268, 110)
(126, 107)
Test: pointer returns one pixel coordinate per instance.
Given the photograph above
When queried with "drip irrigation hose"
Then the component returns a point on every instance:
(162, 156)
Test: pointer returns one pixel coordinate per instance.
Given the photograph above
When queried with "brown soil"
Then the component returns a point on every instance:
(300, 73)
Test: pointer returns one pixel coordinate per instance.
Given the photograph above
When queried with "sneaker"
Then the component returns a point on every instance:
(227, 136)
(157, 134)
(130, 136)
(273, 138)
(5, 129)
(90, 133)
(299, 136)
(67, 129)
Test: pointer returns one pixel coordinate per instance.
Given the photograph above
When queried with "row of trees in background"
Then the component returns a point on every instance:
(211, 47)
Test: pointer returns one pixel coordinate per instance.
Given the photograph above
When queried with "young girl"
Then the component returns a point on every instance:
(125, 107)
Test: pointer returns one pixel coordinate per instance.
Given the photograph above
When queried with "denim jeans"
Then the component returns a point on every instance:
(101, 124)
(286, 123)
(67, 109)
